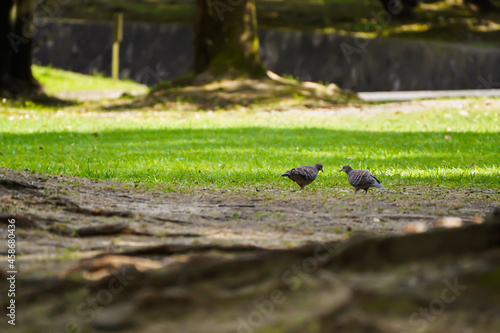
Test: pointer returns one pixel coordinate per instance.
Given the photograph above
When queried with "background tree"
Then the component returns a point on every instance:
(404, 9)
(400, 8)
(226, 40)
(16, 32)
(484, 6)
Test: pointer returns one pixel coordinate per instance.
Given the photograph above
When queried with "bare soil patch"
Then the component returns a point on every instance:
(101, 256)
(61, 219)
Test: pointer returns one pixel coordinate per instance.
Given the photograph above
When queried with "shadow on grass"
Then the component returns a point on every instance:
(255, 154)
(43, 100)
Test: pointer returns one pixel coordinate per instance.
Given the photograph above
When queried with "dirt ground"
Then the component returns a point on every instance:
(98, 256)
(66, 218)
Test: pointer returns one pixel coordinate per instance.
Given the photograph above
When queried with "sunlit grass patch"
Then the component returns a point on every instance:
(58, 80)
(447, 147)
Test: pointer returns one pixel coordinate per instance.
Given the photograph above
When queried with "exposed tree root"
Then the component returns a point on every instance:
(16, 185)
(208, 91)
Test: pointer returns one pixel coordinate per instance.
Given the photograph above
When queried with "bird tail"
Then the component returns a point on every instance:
(377, 185)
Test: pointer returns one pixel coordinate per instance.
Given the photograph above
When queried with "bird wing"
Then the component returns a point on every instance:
(307, 171)
(360, 178)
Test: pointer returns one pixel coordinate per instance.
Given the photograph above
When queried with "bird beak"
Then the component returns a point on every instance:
(341, 170)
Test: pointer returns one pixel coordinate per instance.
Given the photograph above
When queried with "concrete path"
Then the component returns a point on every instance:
(395, 96)
(96, 95)
(378, 96)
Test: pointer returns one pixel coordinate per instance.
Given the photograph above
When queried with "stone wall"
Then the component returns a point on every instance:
(151, 52)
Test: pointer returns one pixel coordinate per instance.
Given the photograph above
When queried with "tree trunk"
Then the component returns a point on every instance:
(16, 34)
(226, 40)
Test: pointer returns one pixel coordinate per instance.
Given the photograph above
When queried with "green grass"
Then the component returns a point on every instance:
(238, 149)
(57, 80)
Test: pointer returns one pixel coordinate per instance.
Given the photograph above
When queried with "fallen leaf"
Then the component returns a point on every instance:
(449, 222)
(478, 219)
(415, 227)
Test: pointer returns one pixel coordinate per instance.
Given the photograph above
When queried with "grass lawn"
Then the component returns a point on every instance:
(58, 80)
(249, 149)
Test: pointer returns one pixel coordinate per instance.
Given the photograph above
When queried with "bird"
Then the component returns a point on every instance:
(304, 175)
(361, 179)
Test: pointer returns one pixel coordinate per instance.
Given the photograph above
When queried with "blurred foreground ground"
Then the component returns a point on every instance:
(101, 256)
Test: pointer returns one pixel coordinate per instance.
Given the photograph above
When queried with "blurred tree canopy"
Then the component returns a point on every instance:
(226, 30)
(405, 8)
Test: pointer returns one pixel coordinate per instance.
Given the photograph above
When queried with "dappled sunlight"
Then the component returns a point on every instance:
(208, 92)
(173, 205)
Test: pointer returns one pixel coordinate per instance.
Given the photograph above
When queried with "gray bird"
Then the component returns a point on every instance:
(361, 179)
(304, 174)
